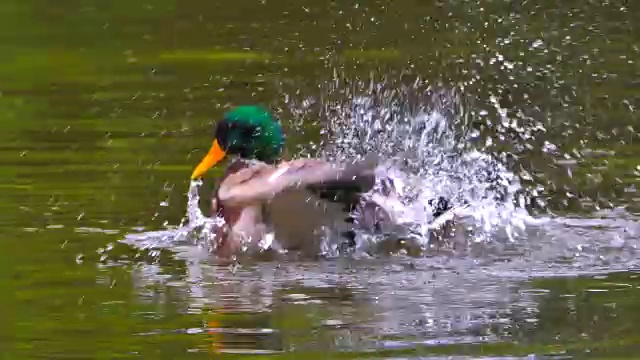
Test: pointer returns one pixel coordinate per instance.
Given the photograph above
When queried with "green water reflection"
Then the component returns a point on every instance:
(106, 106)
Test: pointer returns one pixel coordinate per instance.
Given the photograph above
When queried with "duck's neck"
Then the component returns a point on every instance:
(236, 164)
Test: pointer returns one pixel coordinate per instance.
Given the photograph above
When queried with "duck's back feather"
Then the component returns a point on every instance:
(262, 182)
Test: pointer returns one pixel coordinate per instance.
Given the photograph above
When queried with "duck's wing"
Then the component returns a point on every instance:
(261, 182)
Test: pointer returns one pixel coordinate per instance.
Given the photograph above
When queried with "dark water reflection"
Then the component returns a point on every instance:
(106, 106)
(408, 307)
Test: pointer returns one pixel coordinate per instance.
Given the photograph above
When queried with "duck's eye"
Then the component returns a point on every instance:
(249, 132)
(222, 134)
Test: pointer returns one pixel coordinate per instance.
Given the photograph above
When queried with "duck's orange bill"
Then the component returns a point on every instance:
(214, 156)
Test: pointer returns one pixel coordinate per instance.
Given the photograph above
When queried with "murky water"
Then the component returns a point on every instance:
(107, 106)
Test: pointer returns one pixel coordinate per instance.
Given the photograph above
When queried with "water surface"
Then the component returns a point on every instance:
(107, 106)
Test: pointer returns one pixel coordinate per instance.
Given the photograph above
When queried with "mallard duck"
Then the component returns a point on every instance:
(261, 196)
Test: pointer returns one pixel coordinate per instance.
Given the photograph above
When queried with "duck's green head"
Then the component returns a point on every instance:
(248, 131)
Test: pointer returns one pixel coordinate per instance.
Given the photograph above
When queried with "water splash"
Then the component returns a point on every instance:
(195, 217)
(195, 228)
(425, 156)
(429, 150)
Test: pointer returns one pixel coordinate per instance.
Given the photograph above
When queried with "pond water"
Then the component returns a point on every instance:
(107, 106)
